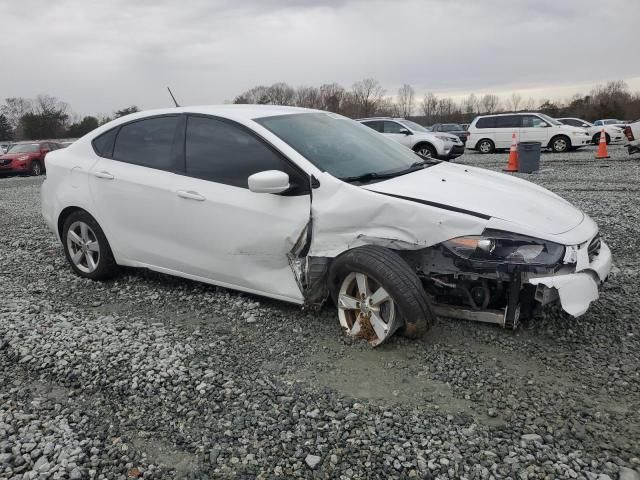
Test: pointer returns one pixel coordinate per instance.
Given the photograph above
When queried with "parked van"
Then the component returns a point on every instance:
(488, 133)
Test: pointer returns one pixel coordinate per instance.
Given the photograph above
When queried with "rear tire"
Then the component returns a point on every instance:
(86, 247)
(389, 272)
(485, 146)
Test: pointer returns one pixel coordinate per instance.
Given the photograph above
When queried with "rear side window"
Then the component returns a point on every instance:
(148, 143)
(486, 122)
(103, 145)
(221, 152)
(376, 125)
(508, 121)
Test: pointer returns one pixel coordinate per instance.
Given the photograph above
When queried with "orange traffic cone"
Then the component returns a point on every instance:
(512, 165)
(602, 146)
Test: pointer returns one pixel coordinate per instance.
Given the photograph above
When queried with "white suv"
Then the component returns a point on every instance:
(440, 145)
(493, 132)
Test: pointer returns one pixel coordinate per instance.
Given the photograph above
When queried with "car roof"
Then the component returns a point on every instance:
(233, 111)
(505, 114)
(380, 118)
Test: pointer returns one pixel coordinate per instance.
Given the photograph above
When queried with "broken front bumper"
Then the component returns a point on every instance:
(576, 288)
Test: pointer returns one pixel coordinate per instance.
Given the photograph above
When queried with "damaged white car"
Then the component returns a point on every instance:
(303, 205)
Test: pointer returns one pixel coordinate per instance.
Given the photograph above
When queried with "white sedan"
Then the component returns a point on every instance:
(303, 205)
(613, 133)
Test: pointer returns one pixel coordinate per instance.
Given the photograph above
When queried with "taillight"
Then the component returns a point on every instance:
(628, 133)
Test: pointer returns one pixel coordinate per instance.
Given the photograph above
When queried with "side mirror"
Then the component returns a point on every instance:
(44, 151)
(405, 131)
(269, 181)
(584, 125)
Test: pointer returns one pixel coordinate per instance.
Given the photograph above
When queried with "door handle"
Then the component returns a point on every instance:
(104, 174)
(190, 195)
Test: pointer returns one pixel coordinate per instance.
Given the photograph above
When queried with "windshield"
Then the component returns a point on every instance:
(24, 148)
(413, 126)
(342, 147)
(552, 121)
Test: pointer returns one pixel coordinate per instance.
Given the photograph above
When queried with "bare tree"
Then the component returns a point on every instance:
(367, 94)
(429, 106)
(308, 97)
(15, 108)
(281, 94)
(331, 96)
(530, 104)
(490, 103)
(514, 101)
(406, 95)
(471, 105)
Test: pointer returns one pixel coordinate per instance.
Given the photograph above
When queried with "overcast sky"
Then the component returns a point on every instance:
(103, 55)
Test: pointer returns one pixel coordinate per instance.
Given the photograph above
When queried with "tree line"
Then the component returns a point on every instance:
(48, 117)
(367, 98)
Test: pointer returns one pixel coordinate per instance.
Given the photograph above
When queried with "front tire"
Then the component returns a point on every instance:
(596, 138)
(425, 150)
(377, 293)
(485, 146)
(560, 144)
(36, 168)
(86, 247)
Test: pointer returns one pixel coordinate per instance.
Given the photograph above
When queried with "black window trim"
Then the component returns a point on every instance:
(298, 190)
(175, 161)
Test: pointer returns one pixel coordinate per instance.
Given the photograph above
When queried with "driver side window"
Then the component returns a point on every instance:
(222, 152)
(393, 127)
(531, 121)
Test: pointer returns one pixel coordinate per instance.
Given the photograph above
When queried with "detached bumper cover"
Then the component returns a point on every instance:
(577, 290)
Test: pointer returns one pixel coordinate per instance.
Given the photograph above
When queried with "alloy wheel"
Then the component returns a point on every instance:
(83, 247)
(365, 309)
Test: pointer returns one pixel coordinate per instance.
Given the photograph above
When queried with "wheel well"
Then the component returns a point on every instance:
(558, 136)
(64, 214)
(415, 147)
(482, 140)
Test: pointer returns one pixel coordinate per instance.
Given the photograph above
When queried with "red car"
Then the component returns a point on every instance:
(26, 157)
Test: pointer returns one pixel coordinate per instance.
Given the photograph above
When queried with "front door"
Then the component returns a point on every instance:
(534, 129)
(230, 235)
(397, 132)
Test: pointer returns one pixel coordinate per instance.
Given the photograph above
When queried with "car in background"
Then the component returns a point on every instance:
(612, 132)
(452, 128)
(488, 133)
(440, 145)
(610, 121)
(465, 126)
(632, 133)
(4, 146)
(66, 143)
(307, 206)
(26, 157)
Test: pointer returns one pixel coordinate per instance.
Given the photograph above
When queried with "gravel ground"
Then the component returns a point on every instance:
(157, 377)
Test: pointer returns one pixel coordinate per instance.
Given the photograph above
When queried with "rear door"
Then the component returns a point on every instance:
(505, 127)
(534, 129)
(133, 188)
(229, 234)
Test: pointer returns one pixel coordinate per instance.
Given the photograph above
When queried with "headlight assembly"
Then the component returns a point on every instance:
(505, 247)
(444, 138)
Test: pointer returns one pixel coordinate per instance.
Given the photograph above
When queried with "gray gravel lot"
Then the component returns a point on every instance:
(157, 377)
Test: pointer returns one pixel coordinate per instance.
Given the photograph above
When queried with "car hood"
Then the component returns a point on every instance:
(569, 128)
(11, 156)
(486, 193)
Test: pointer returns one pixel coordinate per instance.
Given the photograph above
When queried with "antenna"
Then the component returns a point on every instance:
(172, 97)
